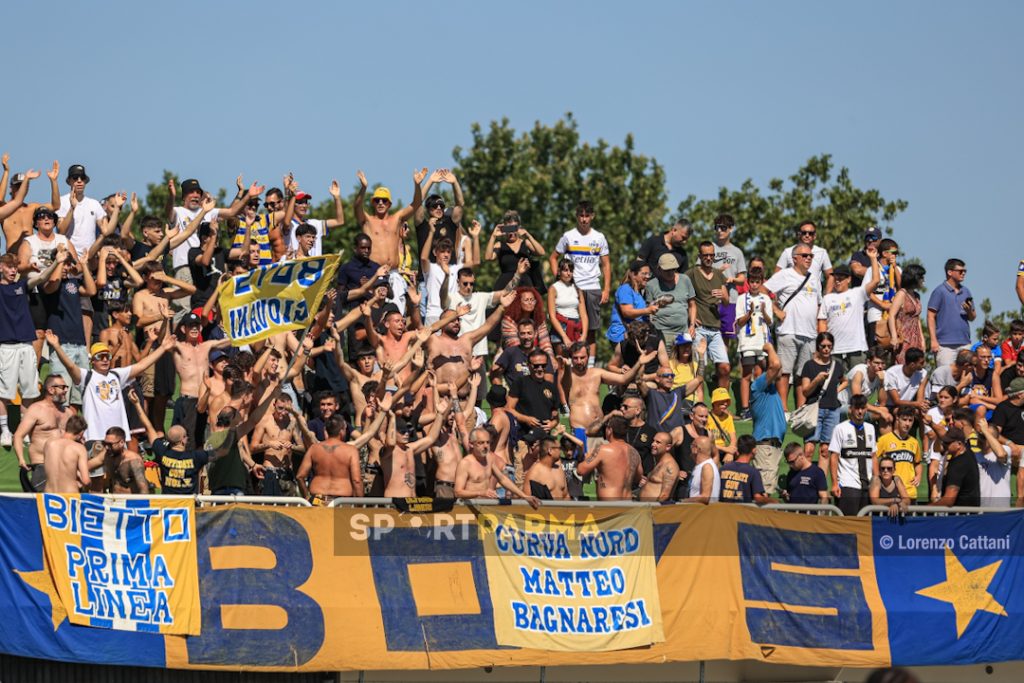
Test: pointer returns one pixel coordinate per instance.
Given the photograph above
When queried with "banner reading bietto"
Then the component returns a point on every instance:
(561, 583)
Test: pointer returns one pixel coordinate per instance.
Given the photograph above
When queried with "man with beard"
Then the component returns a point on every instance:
(662, 478)
(124, 468)
(478, 473)
(45, 419)
(382, 226)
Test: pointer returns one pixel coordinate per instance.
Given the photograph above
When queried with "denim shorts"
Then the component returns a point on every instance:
(828, 418)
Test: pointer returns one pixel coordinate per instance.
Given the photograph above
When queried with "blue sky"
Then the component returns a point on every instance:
(921, 100)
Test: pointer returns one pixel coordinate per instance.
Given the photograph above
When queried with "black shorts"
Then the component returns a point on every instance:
(852, 500)
(37, 310)
(164, 376)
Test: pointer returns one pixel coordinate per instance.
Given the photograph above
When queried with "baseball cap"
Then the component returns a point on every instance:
(842, 270)
(74, 171)
(382, 193)
(720, 394)
(954, 434)
(534, 435)
(216, 355)
(97, 348)
(190, 319)
(190, 185)
(17, 179)
(668, 262)
(872, 233)
(303, 196)
(1016, 386)
(683, 339)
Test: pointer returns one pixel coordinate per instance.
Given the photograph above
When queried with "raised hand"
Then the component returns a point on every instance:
(209, 203)
(437, 176)
(702, 346)
(134, 202)
(507, 298)
(52, 173)
(474, 229)
(448, 176)
(172, 187)
(362, 178)
(31, 174)
(120, 198)
(419, 175)
(463, 310)
(240, 184)
(51, 338)
(335, 189)
(647, 357)
(255, 190)
(4, 159)
(423, 334)
(168, 343)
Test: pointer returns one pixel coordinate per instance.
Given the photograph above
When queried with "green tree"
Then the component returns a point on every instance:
(766, 221)
(542, 173)
(1001, 320)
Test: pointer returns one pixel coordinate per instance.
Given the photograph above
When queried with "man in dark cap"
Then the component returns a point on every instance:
(83, 217)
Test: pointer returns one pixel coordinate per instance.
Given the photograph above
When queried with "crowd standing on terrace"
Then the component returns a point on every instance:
(419, 378)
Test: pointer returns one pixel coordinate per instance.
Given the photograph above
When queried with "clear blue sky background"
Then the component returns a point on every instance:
(922, 100)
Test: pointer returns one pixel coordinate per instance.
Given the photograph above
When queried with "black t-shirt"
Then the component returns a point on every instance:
(962, 471)
(537, 399)
(829, 394)
(1010, 421)
(863, 259)
(205, 278)
(116, 289)
(508, 261)
(444, 227)
(640, 438)
(631, 354)
(1007, 376)
(652, 249)
(178, 468)
(515, 363)
(141, 249)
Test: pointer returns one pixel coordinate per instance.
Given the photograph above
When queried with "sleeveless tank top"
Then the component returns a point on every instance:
(716, 486)
(567, 300)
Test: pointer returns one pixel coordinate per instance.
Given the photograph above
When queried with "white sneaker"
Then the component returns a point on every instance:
(6, 439)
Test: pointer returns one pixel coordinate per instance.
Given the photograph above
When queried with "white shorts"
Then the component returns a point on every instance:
(19, 371)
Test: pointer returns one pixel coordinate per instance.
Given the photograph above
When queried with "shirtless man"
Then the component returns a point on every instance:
(616, 462)
(546, 478)
(394, 344)
(501, 420)
(383, 228)
(335, 463)
(65, 459)
(582, 385)
(192, 363)
(478, 471)
(447, 453)
(276, 436)
(665, 473)
(42, 421)
(396, 458)
(15, 214)
(450, 355)
(123, 349)
(124, 468)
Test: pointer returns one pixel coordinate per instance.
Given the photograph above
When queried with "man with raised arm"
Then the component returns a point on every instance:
(616, 462)
(45, 419)
(16, 215)
(381, 226)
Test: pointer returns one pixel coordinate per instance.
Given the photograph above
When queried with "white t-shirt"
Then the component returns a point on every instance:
(88, 214)
(867, 385)
(730, 256)
(435, 276)
(906, 387)
(478, 303)
(844, 314)
(182, 217)
(318, 241)
(933, 455)
(819, 263)
(802, 311)
(102, 405)
(753, 335)
(44, 252)
(994, 480)
(716, 486)
(586, 252)
(854, 460)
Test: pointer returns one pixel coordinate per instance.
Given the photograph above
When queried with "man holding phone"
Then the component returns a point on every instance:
(950, 313)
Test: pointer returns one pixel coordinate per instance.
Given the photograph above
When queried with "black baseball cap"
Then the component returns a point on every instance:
(191, 185)
(534, 435)
(191, 319)
(76, 171)
(842, 270)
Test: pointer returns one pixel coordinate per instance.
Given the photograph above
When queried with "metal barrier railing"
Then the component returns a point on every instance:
(211, 501)
(823, 510)
(934, 511)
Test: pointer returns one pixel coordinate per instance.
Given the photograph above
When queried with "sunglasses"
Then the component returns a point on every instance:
(803, 255)
(959, 270)
(667, 374)
(886, 469)
(437, 206)
(540, 366)
(468, 283)
(101, 356)
(807, 232)
(722, 228)
(380, 200)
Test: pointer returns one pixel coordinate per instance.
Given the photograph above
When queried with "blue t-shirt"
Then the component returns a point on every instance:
(740, 482)
(624, 295)
(952, 328)
(766, 409)
(805, 485)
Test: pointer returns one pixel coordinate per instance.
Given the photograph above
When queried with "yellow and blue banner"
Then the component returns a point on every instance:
(273, 298)
(319, 589)
(124, 564)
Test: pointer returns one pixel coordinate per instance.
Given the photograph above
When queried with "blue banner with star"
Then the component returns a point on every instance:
(318, 589)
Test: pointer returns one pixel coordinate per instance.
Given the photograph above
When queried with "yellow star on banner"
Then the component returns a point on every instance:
(43, 582)
(966, 590)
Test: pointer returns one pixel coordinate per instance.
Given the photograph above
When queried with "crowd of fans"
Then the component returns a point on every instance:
(383, 394)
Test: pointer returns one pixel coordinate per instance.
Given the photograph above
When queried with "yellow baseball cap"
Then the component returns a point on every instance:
(98, 347)
(382, 193)
(720, 394)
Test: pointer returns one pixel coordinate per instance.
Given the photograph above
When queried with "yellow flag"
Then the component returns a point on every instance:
(275, 298)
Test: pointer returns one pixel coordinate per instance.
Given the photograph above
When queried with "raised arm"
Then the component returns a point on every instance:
(73, 370)
(417, 197)
(208, 205)
(138, 368)
(339, 207)
(360, 202)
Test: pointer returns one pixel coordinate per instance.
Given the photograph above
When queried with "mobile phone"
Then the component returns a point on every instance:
(509, 229)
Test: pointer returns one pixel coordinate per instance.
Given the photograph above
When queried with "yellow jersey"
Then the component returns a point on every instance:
(906, 453)
(719, 428)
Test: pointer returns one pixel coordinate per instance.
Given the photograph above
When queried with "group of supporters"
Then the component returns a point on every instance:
(383, 394)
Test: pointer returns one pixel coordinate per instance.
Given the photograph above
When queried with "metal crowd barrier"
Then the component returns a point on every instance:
(934, 511)
(815, 509)
(211, 501)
